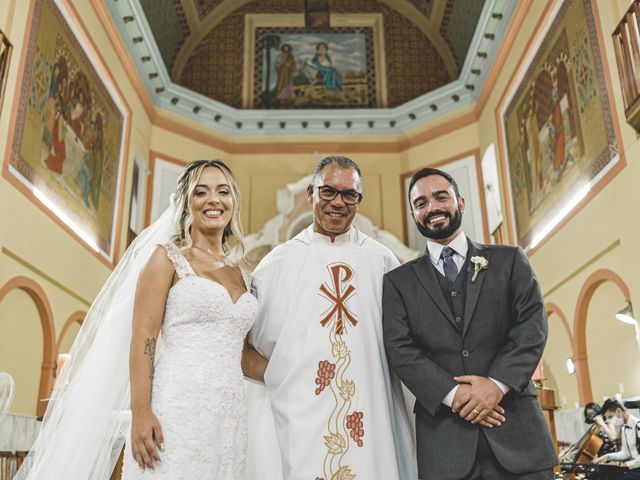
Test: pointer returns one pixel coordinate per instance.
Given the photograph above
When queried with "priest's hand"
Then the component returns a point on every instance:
(483, 399)
(146, 437)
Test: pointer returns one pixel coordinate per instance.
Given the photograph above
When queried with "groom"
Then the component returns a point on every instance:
(464, 328)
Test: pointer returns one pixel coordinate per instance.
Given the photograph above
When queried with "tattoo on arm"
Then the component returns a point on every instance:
(150, 352)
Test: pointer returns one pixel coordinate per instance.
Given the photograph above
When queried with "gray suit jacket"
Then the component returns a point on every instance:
(503, 336)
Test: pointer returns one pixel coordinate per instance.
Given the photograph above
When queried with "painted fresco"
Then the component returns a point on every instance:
(558, 125)
(69, 130)
(298, 69)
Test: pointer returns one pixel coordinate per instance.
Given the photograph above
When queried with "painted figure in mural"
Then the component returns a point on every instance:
(286, 69)
(53, 147)
(533, 161)
(556, 128)
(188, 406)
(83, 177)
(550, 134)
(331, 78)
(98, 160)
(330, 402)
(90, 173)
(79, 104)
(485, 304)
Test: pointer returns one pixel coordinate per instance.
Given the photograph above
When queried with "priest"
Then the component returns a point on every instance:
(337, 412)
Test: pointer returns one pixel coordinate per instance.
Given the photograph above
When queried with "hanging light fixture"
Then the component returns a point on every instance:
(626, 314)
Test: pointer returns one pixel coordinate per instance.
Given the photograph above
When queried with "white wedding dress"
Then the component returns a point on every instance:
(198, 392)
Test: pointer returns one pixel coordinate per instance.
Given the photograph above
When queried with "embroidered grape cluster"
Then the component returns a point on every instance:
(326, 372)
(354, 424)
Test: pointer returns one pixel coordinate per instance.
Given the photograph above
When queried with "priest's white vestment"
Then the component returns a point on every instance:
(338, 412)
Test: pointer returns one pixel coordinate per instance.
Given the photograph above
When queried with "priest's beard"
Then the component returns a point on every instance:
(440, 233)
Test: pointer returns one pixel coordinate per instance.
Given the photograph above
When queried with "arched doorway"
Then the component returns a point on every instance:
(591, 284)
(69, 331)
(39, 298)
(554, 359)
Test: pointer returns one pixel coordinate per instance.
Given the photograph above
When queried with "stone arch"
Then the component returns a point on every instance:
(39, 298)
(559, 347)
(550, 308)
(589, 287)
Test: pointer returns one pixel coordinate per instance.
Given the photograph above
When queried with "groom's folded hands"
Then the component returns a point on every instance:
(477, 400)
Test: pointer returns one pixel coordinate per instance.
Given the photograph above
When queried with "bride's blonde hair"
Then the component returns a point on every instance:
(184, 215)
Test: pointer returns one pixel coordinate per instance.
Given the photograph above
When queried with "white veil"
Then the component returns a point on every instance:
(87, 420)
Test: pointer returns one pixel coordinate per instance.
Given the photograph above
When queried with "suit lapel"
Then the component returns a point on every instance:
(473, 288)
(427, 275)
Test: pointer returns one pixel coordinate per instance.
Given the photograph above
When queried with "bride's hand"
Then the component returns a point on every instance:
(146, 438)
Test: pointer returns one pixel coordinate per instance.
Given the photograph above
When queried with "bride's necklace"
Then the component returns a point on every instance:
(220, 258)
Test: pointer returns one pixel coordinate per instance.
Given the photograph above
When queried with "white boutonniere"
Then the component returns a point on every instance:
(479, 264)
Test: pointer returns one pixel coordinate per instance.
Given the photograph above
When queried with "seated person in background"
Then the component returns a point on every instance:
(629, 453)
(606, 431)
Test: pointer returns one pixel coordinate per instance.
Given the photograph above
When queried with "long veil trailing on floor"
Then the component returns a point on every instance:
(87, 420)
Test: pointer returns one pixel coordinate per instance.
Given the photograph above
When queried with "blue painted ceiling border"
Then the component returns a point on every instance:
(128, 17)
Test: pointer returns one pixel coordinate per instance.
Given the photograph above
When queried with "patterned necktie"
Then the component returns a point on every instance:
(449, 266)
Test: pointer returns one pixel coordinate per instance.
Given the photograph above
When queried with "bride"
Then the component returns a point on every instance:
(188, 410)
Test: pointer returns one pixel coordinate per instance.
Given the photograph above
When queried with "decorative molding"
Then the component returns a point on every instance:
(17, 258)
(123, 55)
(552, 308)
(507, 44)
(225, 119)
(580, 359)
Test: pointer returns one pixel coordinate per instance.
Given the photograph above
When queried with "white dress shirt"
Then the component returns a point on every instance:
(460, 246)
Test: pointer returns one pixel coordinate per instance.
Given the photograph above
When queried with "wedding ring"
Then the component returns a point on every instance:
(476, 410)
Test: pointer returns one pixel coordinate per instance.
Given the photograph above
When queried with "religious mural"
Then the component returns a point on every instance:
(562, 96)
(69, 130)
(298, 69)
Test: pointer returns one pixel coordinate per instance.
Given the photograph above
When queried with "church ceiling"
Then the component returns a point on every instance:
(425, 41)
(200, 58)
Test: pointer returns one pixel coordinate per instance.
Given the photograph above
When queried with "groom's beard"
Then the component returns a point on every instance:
(440, 233)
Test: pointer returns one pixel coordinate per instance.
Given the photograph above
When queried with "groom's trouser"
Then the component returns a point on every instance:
(487, 467)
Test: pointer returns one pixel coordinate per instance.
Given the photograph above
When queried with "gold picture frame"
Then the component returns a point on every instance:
(308, 83)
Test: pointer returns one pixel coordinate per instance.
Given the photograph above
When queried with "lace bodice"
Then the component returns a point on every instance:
(197, 393)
